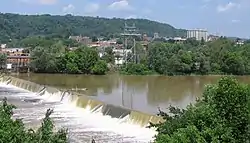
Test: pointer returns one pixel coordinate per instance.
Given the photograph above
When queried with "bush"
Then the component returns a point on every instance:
(100, 68)
(135, 69)
(14, 131)
(222, 115)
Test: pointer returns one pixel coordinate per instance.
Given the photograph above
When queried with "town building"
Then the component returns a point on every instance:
(156, 36)
(3, 46)
(84, 40)
(198, 34)
(212, 37)
(17, 58)
(176, 39)
(240, 42)
(121, 55)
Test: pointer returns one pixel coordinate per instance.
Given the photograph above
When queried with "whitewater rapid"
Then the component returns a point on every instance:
(82, 124)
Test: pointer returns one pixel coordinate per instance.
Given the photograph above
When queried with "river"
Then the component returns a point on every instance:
(143, 93)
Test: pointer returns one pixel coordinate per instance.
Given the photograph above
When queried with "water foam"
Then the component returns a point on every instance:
(89, 118)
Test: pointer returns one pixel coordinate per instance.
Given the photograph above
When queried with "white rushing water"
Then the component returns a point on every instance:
(83, 124)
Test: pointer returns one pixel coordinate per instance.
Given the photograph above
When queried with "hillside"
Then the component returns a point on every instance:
(15, 26)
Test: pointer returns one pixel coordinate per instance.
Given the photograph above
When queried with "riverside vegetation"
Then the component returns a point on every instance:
(222, 56)
(14, 131)
(222, 115)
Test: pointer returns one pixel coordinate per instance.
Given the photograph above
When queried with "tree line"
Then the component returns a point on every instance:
(52, 56)
(222, 56)
(16, 27)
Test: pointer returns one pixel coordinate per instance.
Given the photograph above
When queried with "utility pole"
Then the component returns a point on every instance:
(129, 34)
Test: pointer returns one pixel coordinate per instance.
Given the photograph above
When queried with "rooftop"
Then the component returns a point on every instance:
(197, 30)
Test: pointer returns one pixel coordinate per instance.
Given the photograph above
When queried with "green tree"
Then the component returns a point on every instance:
(233, 63)
(15, 26)
(44, 60)
(192, 42)
(202, 41)
(87, 59)
(221, 115)
(100, 68)
(13, 130)
(71, 61)
(36, 41)
(3, 59)
(57, 58)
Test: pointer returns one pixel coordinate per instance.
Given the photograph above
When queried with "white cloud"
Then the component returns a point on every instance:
(228, 6)
(69, 8)
(120, 5)
(91, 8)
(132, 17)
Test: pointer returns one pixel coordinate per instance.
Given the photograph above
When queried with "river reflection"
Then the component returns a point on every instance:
(143, 93)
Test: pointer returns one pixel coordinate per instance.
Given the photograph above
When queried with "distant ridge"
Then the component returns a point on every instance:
(235, 38)
(16, 26)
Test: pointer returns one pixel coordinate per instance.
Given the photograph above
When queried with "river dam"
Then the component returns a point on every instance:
(84, 117)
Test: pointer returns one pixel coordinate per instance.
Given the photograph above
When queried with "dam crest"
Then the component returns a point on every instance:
(124, 115)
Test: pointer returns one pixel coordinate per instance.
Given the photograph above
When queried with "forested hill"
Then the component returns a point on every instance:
(15, 26)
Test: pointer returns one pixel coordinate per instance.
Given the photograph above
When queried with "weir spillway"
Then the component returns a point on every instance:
(85, 118)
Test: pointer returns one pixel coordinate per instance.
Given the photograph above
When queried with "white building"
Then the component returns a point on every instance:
(3, 46)
(156, 36)
(198, 34)
(121, 53)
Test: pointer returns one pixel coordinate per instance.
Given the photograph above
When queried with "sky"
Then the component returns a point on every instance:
(221, 17)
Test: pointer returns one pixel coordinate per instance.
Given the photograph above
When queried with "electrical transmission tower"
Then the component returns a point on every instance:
(129, 34)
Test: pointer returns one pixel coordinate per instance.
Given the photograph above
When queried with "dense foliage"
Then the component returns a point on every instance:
(55, 57)
(15, 26)
(14, 131)
(3, 59)
(222, 56)
(135, 69)
(222, 115)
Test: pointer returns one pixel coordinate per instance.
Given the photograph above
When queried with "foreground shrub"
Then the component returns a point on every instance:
(220, 116)
(14, 131)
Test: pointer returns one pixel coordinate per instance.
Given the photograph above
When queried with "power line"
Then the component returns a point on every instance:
(129, 34)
